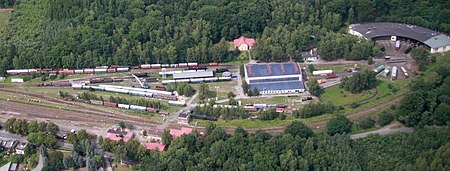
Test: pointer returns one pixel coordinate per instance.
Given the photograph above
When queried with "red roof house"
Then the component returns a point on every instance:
(155, 146)
(244, 43)
(179, 132)
(116, 135)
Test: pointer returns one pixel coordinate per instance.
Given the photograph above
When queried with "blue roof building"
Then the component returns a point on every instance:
(275, 78)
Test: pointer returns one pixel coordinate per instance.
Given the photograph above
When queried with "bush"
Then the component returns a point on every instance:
(385, 118)
(314, 109)
(354, 105)
(366, 123)
(339, 125)
(270, 114)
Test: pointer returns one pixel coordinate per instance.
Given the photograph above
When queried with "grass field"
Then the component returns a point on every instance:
(4, 20)
(341, 97)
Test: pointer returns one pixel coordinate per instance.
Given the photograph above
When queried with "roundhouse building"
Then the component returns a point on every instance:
(275, 78)
(437, 42)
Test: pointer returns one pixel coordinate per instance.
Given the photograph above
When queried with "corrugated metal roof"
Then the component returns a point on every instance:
(438, 41)
(273, 69)
(200, 74)
(286, 85)
(384, 29)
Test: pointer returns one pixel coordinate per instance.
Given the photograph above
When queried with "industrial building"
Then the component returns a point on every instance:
(199, 74)
(437, 42)
(274, 78)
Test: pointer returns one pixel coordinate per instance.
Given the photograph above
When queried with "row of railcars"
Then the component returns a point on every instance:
(124, 106)
(107, 69)
(133, 91)
(196, 80)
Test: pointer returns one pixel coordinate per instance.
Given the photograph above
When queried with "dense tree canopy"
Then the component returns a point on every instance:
(428, 102)
(82, 33)
(360, 81)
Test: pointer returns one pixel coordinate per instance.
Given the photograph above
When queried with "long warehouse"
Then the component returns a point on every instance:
(199, 74)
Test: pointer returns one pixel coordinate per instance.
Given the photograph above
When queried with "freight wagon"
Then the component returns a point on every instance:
(177, 103)
(386, 71)
(138, 108)
(322, 72)
(404, 71)
(394, 73)
(110, 104)
(379, 69)
(204, 117)
(397, 45)
(96, 102)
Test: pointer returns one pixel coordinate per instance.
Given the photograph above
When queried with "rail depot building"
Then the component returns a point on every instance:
(274, 78)
(437, 42)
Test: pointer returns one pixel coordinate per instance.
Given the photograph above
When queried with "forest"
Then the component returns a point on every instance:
(300, 149)
(86, 33)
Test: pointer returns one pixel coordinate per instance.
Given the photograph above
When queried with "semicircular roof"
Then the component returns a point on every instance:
(429, 37)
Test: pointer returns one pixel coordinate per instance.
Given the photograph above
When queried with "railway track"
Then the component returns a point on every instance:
(80, 113)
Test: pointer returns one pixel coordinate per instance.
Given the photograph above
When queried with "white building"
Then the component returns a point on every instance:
(274, 78)
(20, 148)
(437, 42)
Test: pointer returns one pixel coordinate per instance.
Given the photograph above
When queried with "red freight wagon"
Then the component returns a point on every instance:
(110, 104)
(111, 70)
(88, 71)
(182, 65)
(68, 72)
(151, 110)
(328, 76)
(213, 64)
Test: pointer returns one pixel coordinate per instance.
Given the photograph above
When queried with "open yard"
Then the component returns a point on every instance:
(339, 97)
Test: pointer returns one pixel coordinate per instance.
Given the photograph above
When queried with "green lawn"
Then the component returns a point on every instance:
(341, 97)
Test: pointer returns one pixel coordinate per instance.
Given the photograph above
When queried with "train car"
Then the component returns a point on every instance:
(110, 104)
(165, 66)
(135, 67)
(17, 72)
(30, 71)
(88, 71)
(224, 78)
(394, 73)
(138, 108)
(140, 93)
(211, 79)
(61, 83)
(151, 110)
(204, 117)
(197, 80)
(220, 70)
(123, 106)
(177, 103)
(141, 74)
(379, 69)
(146, 66)
(123, 69)
(330, 76)
(165, 82)
(405, 72)
(155, 66)
(67, 72)
(322, 72)
(386, 71)
(283, 105)
(397, 45)
(163, 96)
(192, 64)
(101, 67)
(182, 65)
(116, 90)
(183, 80)
(100, 71)
(111, 70)
(213, 64)
(271, 106)
(250, 109)
(260, 106)
(151, 79)
(96, 102)
(173, 65)
(78, 71)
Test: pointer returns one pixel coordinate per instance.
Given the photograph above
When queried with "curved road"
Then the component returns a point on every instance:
(388, 129)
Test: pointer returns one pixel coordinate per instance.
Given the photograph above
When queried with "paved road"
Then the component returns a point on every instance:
(40, 164)
(8, 136)
(175, 115)
(389, 129)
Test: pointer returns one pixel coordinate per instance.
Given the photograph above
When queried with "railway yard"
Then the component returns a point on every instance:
(41, 100)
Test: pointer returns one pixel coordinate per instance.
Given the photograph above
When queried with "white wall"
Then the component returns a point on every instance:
(440, 49)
